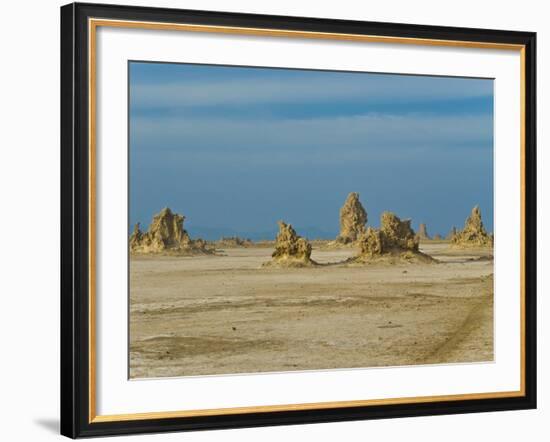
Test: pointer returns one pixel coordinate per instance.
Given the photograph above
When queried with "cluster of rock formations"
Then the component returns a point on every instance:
(473, 234)
(353, 218)
(394, 240)
(233, 241)
(291, 250)
(166, 235)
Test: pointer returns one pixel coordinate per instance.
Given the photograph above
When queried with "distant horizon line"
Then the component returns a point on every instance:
(211, 233)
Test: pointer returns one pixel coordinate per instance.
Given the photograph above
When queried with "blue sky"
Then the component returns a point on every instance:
(235, 149)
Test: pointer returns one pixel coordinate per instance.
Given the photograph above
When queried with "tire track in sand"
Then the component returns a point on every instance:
(473, 337)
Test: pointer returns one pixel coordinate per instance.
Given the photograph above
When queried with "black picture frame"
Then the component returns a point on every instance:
(75, 220)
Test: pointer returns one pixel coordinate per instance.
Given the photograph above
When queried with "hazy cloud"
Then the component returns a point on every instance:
(322, 139)
(237, 91)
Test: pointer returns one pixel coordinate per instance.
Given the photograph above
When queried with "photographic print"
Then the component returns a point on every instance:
(292, 219)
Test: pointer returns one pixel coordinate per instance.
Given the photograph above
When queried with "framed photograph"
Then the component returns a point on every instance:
(274, 220)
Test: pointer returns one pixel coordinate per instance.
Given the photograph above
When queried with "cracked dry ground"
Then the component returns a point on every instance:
(225, 314)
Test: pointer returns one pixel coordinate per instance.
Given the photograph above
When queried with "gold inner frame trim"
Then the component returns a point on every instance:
(93, 24)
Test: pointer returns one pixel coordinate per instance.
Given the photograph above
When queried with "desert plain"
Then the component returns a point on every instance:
(225, 313)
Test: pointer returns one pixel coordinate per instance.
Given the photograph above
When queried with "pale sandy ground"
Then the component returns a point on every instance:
(225, 314)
